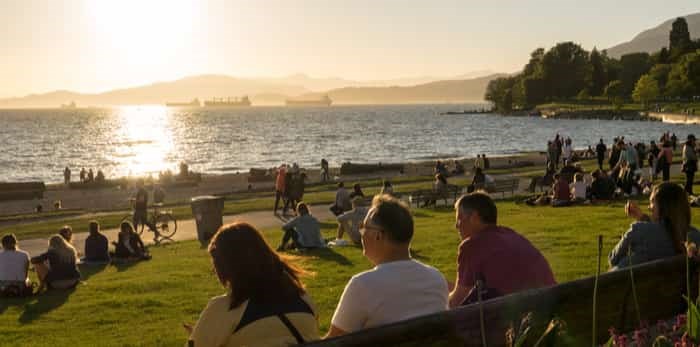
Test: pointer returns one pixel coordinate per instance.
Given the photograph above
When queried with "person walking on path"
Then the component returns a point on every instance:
(600, 150)
(280, 186)
(690, 163)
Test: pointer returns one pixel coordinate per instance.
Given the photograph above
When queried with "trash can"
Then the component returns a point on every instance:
(207, 211)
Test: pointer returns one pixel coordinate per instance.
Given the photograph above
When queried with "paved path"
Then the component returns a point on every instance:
(186, 229)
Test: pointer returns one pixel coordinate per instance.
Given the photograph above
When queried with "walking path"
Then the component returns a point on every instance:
(186, 229)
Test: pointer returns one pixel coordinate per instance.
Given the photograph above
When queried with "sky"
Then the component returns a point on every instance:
(98, 45)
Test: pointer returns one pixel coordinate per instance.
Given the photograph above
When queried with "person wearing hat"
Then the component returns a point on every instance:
(690, 163)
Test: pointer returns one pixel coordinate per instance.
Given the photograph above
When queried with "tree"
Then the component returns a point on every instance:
(534, 66)
(634, 65)
(598, 78)
(583, 95)
(614, 90)
(684, 77)
(679, 37)
(646, 89)
(534, 90)
(499, 91)
(564, 69)
(660, 73)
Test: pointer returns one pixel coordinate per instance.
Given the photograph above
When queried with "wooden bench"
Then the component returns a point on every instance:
(21, 190)
(425, 195)
(658, 285)
(504, 185)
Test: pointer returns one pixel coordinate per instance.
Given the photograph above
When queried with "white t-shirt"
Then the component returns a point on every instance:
(13, 265)
(578, 190)
(390, 292)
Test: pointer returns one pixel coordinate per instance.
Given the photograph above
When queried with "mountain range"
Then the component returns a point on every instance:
(269, 91)
(654, 39)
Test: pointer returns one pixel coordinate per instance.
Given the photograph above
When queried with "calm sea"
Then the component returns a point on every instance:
(137, 140)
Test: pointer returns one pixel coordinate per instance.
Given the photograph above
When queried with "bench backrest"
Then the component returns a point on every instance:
(659, 286)
(506, 184)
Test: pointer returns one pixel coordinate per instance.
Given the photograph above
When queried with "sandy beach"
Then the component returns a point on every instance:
(117, 198)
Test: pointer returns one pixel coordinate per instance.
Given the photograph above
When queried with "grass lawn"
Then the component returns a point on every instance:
(146, 303)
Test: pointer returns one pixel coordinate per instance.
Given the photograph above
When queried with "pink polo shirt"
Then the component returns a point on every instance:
(504, 259)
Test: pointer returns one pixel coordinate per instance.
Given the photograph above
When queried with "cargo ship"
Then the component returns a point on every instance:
(193, 103)
(324, 101)
(228, 102)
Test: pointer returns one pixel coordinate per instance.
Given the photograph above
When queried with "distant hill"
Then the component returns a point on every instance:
(185, 89)
(261, 92)
(438, 92)
(324, 84)
(654, 39)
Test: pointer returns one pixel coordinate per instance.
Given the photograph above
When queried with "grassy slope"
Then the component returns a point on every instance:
(145, 303)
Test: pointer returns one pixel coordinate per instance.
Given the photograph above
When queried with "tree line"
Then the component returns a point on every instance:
(567, 71)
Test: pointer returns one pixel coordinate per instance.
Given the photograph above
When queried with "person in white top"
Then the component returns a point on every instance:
(14, 263)
(398, 287)
(578, 188)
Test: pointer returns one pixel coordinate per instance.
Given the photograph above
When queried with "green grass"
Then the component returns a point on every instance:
(146, 303)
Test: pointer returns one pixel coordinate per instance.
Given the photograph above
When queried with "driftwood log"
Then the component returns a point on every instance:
(659, 287)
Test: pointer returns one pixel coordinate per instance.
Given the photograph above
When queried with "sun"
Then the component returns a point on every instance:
(143, 30)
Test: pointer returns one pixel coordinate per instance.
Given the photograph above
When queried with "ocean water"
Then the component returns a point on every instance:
(139, 140)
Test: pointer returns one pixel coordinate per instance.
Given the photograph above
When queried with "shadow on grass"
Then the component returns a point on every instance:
(36, 306)
(330, 255)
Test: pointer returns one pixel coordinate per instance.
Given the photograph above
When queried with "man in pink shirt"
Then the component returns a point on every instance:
(280, 184)
(500, 259)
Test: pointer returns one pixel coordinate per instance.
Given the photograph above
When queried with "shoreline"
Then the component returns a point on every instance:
(116, 197)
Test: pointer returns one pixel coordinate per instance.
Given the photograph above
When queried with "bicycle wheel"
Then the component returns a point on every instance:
(166, 225)
(130, 219)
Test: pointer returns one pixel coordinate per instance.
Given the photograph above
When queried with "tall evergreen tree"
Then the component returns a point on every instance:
(598, 79)
(679, 38)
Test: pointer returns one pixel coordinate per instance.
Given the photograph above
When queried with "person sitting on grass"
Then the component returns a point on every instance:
(57, 268)
(14, 267)
(387, 188)
(265, 303)
(303, 230)
(96, 245)
(560, 191)
(497, 257)
(129, 245)
(602, 187)
(578, 189)
(342, 200)
(659, 235)
(356, 191)
(398, 287)
(439, 190)
(67, 233)
(349, 222)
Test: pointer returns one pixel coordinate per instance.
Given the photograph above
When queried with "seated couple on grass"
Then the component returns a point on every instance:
(57, 268)
(659, 235)
(129, 246)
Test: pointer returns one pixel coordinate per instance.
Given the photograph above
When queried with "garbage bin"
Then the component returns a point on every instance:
(207, 211)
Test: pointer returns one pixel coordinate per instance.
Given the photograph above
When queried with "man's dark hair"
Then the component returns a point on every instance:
(341, 185)
(482, 204)
(393, 217)
(302, 209)
(94, 227)
(9, 241)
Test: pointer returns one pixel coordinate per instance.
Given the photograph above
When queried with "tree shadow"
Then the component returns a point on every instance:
(89, 270)
(123, 264)
(41, 304)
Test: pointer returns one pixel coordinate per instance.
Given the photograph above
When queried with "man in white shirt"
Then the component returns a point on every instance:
(398, 287)
(14, 263)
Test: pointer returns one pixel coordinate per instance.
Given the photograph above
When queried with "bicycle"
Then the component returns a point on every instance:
(164, 222)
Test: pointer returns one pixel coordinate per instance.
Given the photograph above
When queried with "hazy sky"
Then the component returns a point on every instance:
(98, 45)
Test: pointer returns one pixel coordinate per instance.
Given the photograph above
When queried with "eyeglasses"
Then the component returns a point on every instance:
(364, 227)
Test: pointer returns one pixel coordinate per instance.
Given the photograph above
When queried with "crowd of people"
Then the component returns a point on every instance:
(267, 304)
(624, 176)
(88, 176)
